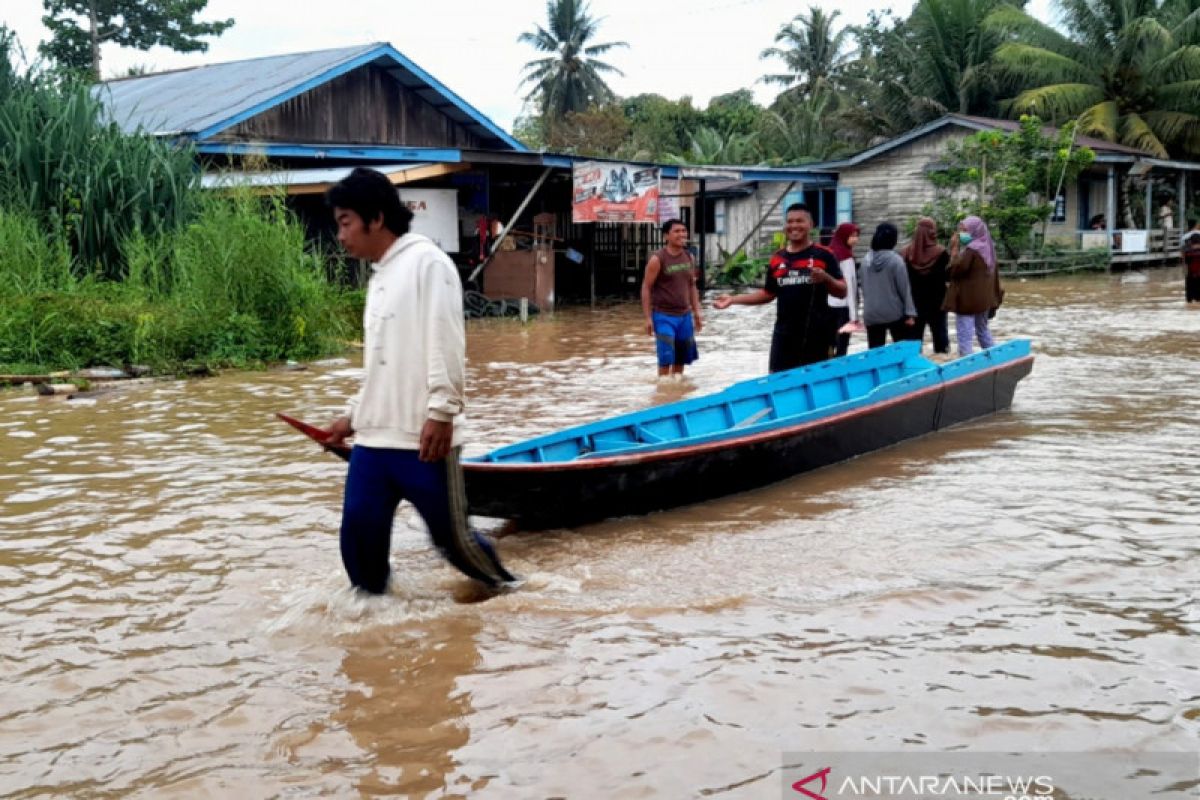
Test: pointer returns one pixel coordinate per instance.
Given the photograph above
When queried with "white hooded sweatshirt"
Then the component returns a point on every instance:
(414, 355)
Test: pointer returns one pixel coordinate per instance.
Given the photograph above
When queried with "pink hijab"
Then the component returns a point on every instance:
(981, 241)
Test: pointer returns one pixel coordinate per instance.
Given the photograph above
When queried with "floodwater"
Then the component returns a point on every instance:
(174, 621)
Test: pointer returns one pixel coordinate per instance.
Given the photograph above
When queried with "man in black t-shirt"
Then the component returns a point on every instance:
(801, 276)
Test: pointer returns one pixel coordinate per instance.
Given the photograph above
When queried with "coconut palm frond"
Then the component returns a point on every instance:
(1013, 23)
(1136, 132)
(1024, 65)
(1086, 20)
(601, 49)
(1143, 38)
(1058, 101)
(1185, 25)
(1172, 126)
(1181, 64)
(1179, 96)
(1101, 120)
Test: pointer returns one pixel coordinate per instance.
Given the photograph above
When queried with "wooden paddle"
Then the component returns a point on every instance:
(341, 449)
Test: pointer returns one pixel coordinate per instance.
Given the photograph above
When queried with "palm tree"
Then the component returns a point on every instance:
(569, 79)
(804, 131)
(814, 54)
(1130, 74)
(936, 62)
(709, 146)
(953, 44)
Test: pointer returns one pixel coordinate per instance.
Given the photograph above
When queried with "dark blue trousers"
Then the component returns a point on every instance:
(379, 479)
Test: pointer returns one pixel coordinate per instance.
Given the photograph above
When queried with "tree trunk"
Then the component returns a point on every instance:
(95, 37)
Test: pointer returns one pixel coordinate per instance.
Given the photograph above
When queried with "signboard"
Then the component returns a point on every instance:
(668, 199)
(720, 173)
(610, 192)
(435, 214)
(1129, 241)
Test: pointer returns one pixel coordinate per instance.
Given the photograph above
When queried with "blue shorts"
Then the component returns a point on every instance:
(675, 339)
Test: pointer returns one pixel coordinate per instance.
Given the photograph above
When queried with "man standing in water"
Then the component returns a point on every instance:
(403, 418)
(671, 301)
(802, 276)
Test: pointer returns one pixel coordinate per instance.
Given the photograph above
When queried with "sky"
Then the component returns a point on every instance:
(697, 48)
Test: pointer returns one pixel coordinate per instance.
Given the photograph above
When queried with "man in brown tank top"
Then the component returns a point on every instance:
(671, 301)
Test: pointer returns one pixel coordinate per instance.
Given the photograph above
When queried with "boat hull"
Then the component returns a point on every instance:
(572, 493)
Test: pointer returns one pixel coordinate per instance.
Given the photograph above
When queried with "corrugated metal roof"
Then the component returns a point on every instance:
(1098, 145)
(1101, 147)
(202, 101)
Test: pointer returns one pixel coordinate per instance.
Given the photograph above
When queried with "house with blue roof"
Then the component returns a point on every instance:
(299, 122)
(307, 105)
(1117, 203)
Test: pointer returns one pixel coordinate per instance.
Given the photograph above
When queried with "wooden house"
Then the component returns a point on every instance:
(888, 182)
(299, 122)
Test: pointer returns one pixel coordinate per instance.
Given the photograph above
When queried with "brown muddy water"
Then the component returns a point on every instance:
(174, 621)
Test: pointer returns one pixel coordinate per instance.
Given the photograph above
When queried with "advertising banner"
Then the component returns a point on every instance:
(668, 200)
(607, 192)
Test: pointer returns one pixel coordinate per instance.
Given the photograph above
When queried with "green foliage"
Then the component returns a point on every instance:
(570, 78)
(234, 287)
(1008, 179)
(813, 52)
(31, 261)
(110, 254)
(799, 130)
(734, 113)
(660, 126)
(79, 27)
(741, 269)
(84, 180)
(708, 146)
(1129, 73)
(530, 131)
(598, 131)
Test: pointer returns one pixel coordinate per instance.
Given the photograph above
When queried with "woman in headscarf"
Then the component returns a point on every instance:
(887, 301)
(974, 284)
(926, 261)
(845, 309)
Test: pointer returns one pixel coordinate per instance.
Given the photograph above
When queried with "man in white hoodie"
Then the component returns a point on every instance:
(407, 442)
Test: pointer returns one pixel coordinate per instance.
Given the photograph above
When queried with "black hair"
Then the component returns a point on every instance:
(671, 223)
(885, 237)
(371, 195)
(798, 207)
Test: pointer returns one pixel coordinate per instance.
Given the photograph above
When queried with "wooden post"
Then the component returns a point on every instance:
(1181, 199)
(1110, 205)
(1149, 207)
(591, 245)
(701, 213)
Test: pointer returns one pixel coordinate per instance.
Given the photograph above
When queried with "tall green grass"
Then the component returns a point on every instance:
(85, 179)
(111, 254)
(235, 287)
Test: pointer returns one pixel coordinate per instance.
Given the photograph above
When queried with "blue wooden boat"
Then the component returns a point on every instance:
(751, 434)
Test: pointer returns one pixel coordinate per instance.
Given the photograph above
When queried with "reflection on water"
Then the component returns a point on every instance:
(175, 623)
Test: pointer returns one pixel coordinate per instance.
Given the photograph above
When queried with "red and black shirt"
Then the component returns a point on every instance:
(802, 304)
